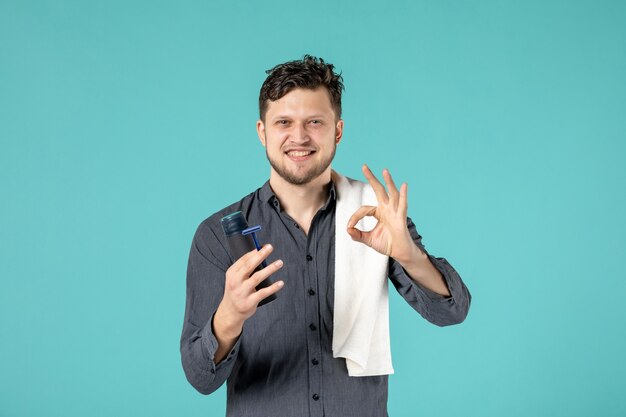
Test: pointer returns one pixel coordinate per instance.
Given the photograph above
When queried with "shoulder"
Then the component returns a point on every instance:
(214, 221)
(209, 237)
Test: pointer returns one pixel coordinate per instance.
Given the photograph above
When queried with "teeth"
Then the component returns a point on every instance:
(299, 153)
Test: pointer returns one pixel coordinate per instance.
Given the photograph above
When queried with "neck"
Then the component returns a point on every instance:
(301, 202)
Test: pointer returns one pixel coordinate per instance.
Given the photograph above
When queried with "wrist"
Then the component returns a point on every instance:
(414, 257)
(226, 326)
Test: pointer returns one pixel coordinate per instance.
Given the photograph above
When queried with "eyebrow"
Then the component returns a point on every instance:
(285, 116)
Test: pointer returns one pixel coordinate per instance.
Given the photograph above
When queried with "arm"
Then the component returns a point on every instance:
(198, 344)
(435, 306)
(219, 301)
(429, 284)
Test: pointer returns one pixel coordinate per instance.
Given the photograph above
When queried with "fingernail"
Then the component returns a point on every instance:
(280, 284)
(278, 263)
(267, 247)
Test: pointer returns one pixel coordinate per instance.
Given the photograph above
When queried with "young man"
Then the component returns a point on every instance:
(289, 357)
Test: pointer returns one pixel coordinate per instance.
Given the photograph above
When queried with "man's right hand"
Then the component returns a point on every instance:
(241, 298)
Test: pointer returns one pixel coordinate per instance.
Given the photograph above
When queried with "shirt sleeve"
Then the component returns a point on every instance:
(434, 307)
(206, 271)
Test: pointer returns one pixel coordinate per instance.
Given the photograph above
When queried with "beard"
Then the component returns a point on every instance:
(301, 176)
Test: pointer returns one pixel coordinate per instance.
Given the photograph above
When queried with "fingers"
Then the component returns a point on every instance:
(258, 277)
(379, 189)
(356, 234)
(391, 186)
(402, 201)
(267, 291)
(361, 212)
(359, 235)
(383, 195)
(244, 266)
(264, 273)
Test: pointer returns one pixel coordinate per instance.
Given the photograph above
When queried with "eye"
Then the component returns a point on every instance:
(316, 122)
(282, 122)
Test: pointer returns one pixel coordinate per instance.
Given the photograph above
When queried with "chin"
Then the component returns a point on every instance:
(298, 179)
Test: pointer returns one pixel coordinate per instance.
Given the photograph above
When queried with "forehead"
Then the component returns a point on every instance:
(301, 101)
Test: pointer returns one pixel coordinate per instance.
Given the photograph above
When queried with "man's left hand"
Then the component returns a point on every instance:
(390, 236)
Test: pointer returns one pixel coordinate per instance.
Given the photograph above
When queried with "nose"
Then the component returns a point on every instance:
(299, 134)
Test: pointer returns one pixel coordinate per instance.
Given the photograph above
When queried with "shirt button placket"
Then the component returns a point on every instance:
(313, 337)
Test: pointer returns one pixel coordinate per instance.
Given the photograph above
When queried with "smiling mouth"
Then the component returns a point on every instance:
(299, 154)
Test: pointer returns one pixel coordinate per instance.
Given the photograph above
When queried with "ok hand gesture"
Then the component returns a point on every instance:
(390, 236)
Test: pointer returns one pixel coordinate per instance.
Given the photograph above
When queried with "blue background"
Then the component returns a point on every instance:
(119, 122)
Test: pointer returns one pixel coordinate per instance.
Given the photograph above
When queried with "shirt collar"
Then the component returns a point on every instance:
(266, 194)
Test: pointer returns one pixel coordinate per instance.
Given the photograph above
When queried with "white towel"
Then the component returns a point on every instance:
(361, 318)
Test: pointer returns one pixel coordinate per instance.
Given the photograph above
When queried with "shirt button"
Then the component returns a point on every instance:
(314, 361)
(275, 203)
(311, 291)
(212, 371)
(312, 327)
(297, 225)
(309, 258)
(316, 397)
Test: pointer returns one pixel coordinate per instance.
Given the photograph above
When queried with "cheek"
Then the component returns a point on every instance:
(275, 141)
(279, 138)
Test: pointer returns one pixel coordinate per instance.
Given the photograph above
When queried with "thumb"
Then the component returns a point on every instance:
(358, 235)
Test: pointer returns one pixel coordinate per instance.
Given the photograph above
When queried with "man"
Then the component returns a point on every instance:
(278, 358)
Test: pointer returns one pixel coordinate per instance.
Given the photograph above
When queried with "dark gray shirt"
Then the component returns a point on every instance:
(282, 364)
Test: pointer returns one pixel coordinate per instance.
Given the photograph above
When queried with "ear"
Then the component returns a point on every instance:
(260, 130)
(339, 131)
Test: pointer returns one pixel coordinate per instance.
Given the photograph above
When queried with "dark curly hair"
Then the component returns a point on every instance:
(309, 72)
